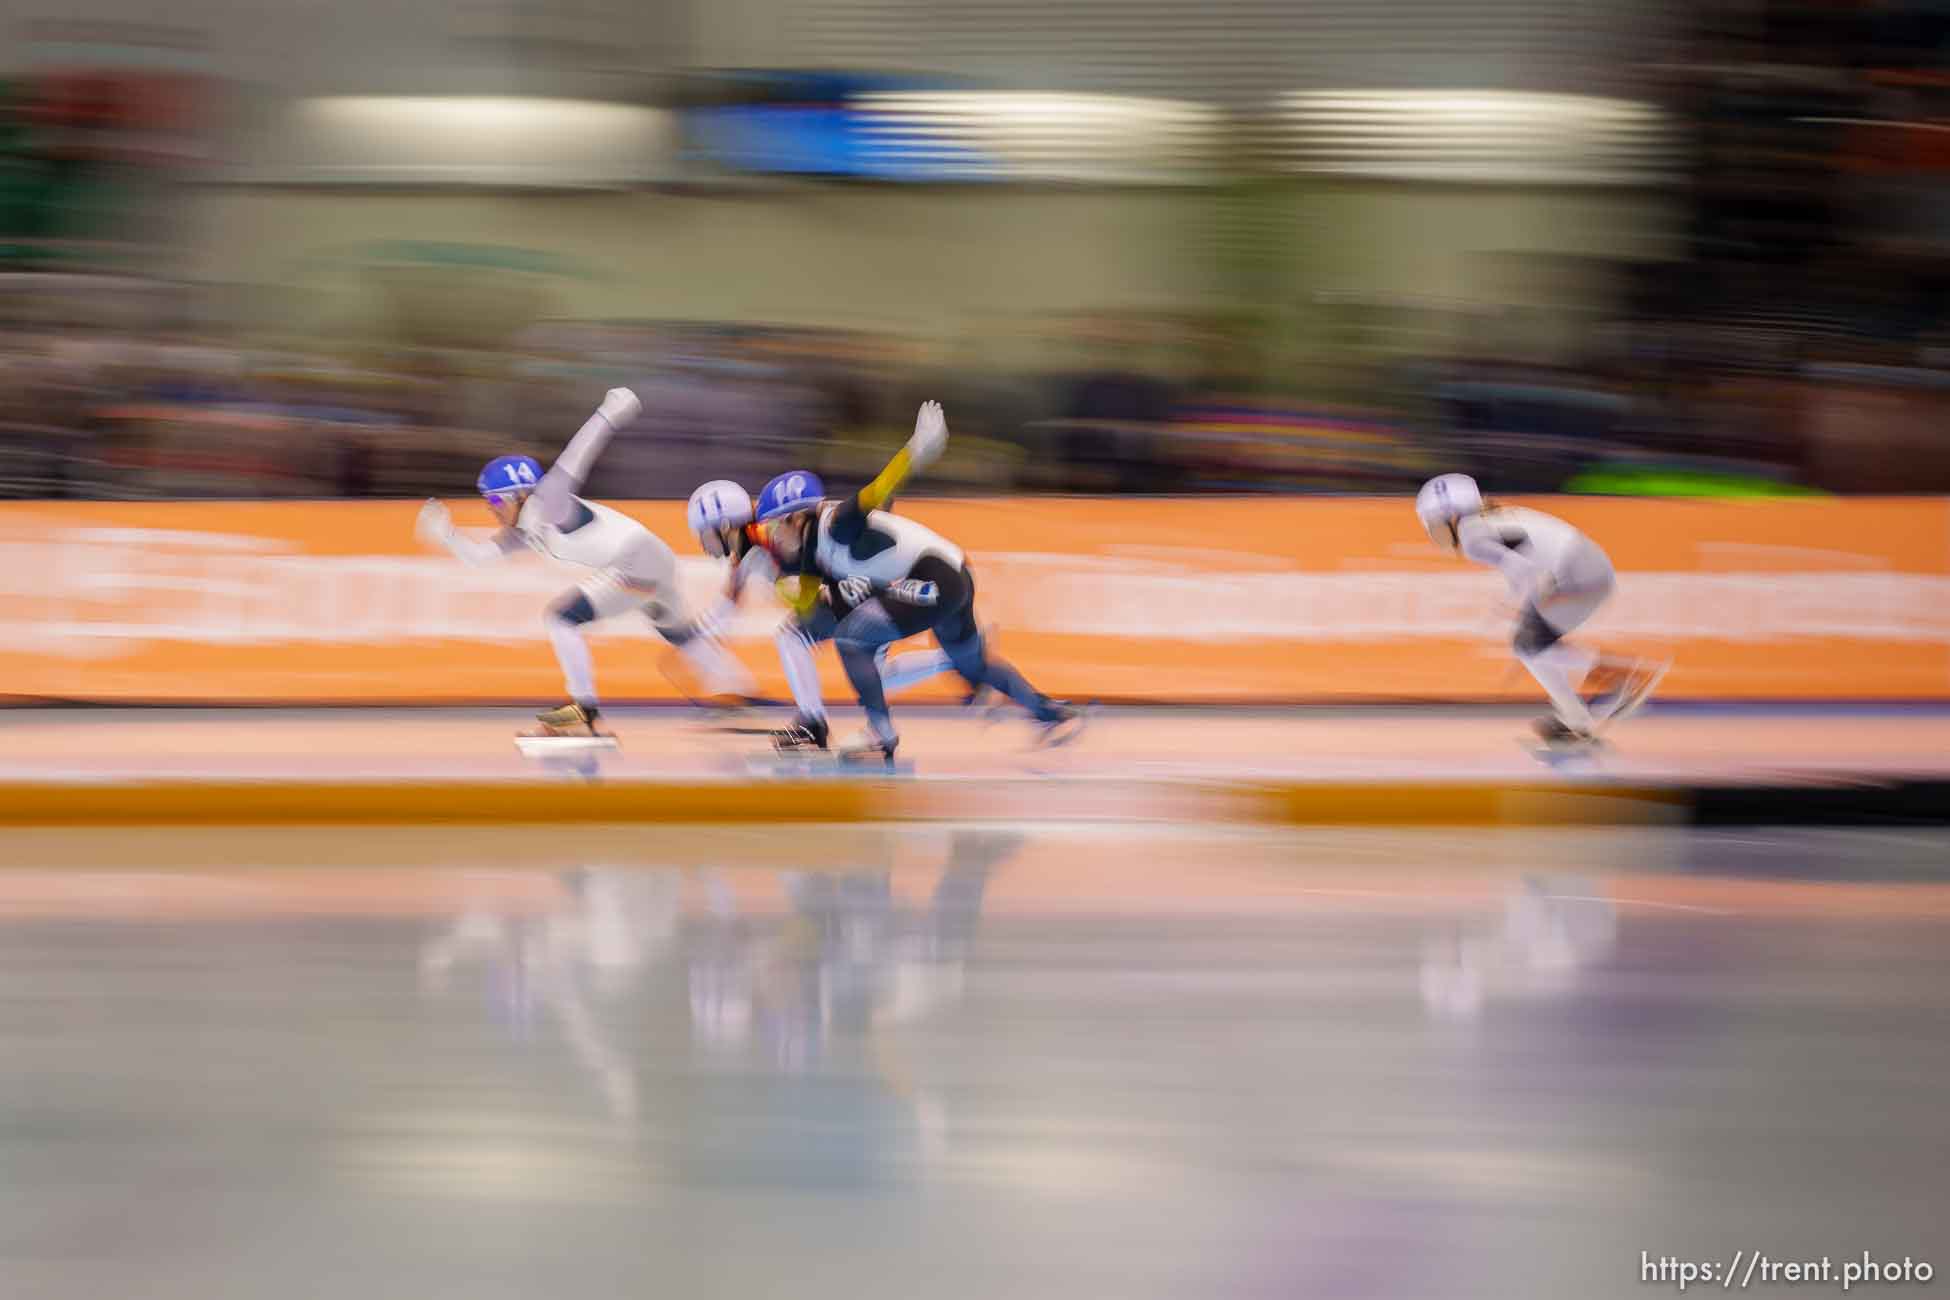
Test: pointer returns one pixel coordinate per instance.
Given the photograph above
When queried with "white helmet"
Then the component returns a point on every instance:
(716, 509)
(1442, 501)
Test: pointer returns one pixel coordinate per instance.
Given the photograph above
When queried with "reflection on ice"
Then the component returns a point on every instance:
(783, 982)
(958, 1062)
(1550, 930)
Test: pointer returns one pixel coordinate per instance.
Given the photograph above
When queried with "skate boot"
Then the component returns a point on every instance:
(865, 747)
(572, 721)
(1061, 727)
(1553, 732)
(804, 734)
(573, 728)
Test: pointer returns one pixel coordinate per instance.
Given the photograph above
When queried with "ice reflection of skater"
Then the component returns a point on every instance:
(817, 1001)
(849, 961)
(610, 925)
(1550, 932)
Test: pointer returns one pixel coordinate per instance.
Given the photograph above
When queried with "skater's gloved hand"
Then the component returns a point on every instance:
(930, 435)
(620, 406)
(435, 526)
(854, 591)
(913, 591)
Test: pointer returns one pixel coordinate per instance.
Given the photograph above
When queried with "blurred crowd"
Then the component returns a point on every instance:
(1665, 402)
(87, 413)
(1799, 343)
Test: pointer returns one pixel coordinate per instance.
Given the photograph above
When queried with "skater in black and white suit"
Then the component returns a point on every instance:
(894, 578)
(722, 516)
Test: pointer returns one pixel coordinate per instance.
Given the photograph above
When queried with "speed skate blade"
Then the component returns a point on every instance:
(1066, 731)
(1562, 755)
(546, 746)
(823, 765)
(734, 727)
(1640, 694)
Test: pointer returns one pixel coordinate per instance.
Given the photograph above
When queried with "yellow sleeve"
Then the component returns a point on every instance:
(876, 495)
(800, 592)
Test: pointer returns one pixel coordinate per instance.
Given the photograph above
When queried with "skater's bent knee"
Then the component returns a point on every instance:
(669, 627)
(1534, 635)
(574, 610)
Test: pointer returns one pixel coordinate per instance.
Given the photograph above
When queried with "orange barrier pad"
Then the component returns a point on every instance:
(1173, 600)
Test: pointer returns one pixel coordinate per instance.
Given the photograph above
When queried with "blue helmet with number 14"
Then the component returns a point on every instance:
(508, 477)
(789, 493)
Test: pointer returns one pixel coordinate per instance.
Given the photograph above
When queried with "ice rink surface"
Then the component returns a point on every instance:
(980, 1061)
(945, 744)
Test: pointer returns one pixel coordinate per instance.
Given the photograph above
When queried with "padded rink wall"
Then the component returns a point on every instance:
(1184, 600)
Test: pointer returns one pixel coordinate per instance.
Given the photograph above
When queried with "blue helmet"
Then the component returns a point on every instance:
(789, 493)
(507, 475)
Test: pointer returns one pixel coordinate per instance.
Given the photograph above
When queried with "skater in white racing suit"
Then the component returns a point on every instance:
(1559, 577)
(633, 568)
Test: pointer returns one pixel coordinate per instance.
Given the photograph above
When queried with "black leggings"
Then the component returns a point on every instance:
(884, 620)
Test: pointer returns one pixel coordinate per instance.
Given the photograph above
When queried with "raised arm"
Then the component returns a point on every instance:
(929, 440)
(558, 488)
